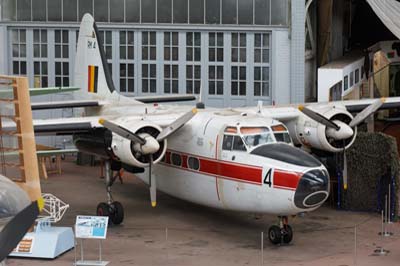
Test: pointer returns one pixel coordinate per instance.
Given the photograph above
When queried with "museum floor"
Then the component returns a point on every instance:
(180, 233)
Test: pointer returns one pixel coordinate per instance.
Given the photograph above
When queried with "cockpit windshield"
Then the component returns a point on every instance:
(255, 136)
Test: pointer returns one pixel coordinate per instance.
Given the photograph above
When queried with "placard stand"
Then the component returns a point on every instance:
(90, 227)
(83, 262)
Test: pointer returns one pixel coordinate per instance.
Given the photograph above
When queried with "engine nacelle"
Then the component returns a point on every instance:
(125, 149)
(307, 132)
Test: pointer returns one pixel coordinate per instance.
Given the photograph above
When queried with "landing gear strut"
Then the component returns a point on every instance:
(113, 209)
(282, 234)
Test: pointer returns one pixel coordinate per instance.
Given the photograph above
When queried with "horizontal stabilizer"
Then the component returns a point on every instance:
(165, 98)
(8, 93)
(65, 104)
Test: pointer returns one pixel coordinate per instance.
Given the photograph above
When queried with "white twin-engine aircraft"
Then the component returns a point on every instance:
(241, 159)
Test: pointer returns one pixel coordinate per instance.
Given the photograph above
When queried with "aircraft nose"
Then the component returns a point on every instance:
(313, 189)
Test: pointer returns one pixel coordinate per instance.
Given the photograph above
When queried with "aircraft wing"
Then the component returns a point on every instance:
(97, 103)
(65, 126)
(286, 113)
(69, 126)
(354, 106)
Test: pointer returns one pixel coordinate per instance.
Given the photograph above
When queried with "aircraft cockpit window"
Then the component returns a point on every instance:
(227, 143)
(255, 136)
(283, 137)
(238, 144)
(281, 134)
(232, 130)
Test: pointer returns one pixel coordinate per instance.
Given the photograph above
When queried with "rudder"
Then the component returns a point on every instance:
(91, 70)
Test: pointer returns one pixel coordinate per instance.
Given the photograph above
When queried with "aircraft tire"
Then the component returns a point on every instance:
(288, 234)
(117, 215)
(103, 209)
(275, 235)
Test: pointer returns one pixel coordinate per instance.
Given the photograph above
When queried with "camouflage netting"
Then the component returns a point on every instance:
(373, 164)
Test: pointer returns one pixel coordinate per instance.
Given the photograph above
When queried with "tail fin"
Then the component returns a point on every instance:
(91, 69)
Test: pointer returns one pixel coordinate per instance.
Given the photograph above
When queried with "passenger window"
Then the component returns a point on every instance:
(194, 163)
(176, 159)
(238, 144)
(227, 143)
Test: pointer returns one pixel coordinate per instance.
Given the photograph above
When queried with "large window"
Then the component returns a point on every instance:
(193, 67)
(261, 64)
(171, 46)
(101, 10)
(171, 78)
(216, 47)
(193, 79)
(193, 46)
(242, 12)
(19, 51)
(215, 80)
(127, 57)
(39, 10)
(238, 68)
(216, 63)
(171, 68)
(40, 70)
(149, 55)
(61, 41)
(106, 40)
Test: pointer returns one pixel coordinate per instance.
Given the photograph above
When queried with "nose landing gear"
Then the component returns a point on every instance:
(113, 209)
(282, 234)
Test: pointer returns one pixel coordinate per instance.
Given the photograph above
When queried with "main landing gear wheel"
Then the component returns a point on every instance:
(282, 234)
(114, 211)
(287, 235)
(274, 235)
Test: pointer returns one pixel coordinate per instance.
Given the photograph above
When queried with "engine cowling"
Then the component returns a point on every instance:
(129, 152)
(307, 132)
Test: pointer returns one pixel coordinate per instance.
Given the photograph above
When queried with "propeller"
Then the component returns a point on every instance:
(339, 130)
(318, 118)
(17, 227)
(369, 110)
(146, 144)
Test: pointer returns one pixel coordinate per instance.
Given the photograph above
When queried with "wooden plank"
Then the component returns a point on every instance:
(27, 141)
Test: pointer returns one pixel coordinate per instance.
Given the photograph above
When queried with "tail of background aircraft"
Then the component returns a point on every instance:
(92, 75)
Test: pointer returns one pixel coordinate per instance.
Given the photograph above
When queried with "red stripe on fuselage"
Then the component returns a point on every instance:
(218, 168)
(286, 180)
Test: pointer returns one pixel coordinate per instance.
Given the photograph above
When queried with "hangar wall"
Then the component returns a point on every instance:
(235, 80)
(237, 59)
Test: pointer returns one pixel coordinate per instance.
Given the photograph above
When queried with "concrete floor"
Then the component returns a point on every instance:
(180, 233)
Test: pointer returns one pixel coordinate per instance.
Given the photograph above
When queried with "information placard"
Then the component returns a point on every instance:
(91, 227)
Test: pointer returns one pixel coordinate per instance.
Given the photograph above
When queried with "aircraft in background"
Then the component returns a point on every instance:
(17, 215)
(241, 159)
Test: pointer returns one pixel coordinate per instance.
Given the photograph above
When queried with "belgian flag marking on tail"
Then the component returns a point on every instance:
(92, 78)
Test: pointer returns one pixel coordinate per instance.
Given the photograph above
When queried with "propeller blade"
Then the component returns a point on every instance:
(177, 124)
(318, 118)
(344, 171)
(153, 184)
(364, 114)
(123, 132)
(17, 227)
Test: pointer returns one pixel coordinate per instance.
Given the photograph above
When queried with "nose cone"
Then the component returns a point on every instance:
(344, 132)
(312, 190)
(151, 146)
